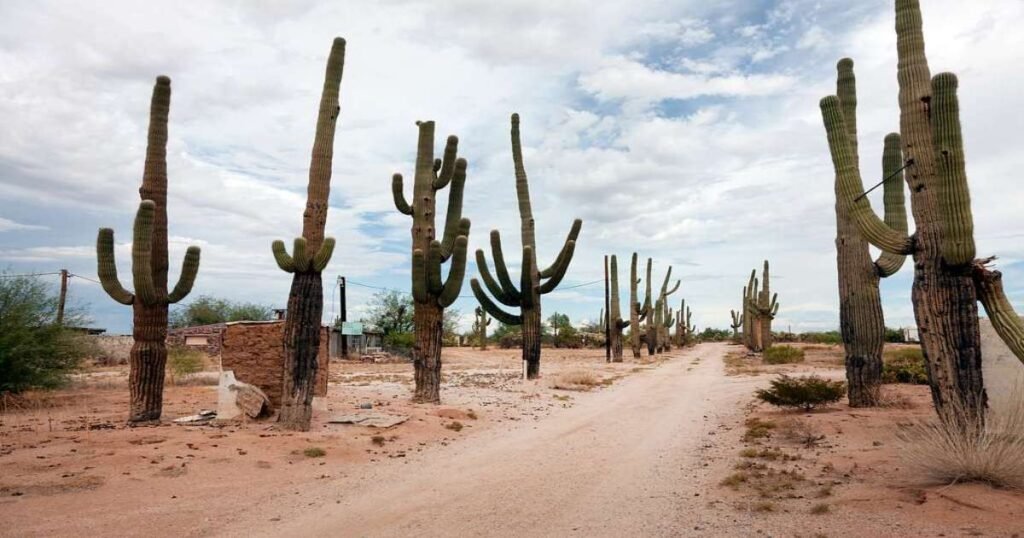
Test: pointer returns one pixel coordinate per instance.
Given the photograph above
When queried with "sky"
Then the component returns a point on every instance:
(687, 131)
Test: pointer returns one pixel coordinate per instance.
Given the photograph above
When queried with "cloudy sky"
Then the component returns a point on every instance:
(688, 131)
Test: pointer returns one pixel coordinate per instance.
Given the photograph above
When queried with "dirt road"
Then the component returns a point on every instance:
(629, 460)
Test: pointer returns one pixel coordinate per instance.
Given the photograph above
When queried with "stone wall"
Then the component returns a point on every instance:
(114, 349)
(253, 350)
(187, 336)
(1002, 371)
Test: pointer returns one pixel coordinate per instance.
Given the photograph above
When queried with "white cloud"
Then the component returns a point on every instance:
(8, 225)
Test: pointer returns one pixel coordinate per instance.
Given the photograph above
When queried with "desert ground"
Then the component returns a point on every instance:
(674, 446)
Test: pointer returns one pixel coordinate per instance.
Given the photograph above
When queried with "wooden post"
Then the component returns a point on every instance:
(63, 296)
(607, 316)
(344, 317)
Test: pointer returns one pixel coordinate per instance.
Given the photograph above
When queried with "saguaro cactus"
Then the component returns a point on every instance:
(430, 294)
(767, 307)
(637, 311)
(615, 314)
(860, 305)
(148, 355)
(759, 309)
(737, 322)
(310, 255)
(480, 327)
(655, 322)
(534, 282)
(947, 280)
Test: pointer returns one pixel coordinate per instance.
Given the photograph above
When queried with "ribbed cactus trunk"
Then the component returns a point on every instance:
(431, 294)
(861, 320)
(637, 310)
(148, 356)
(615, 316)
(312, 251)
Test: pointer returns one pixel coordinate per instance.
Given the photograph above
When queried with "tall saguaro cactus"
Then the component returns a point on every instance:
(759, 309)
(148, 355)
(480, 324)
(534, 282)
(310, 255)
(948, 281)
(860, 305)
(615, 315)
(655, 322)
(737, 323)
(767, 307)
(638, 311)
(431, 295)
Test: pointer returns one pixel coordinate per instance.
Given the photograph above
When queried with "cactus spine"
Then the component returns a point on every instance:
(430, 294)
(615, 314)
(310, 255)
(534, 282)
(637, 311)
(860, 305)
(480, 327)
(148, 355)
(948, 282)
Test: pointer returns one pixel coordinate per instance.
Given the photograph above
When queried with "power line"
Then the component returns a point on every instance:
(5, 275)
(382, 288)
(86, 278)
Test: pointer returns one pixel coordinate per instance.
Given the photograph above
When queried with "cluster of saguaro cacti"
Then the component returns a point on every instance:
(310, 255)
(480, 323)
(534, 281)
(148, 355)
(685, 330)
(759, 308)
(617, 324)
(948, 281)
(432, 294)
(860, 305)
(657, 337)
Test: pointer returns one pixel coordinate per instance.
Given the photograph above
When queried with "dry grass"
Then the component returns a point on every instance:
(576, 380)
(738, 363)
(757, 429)
(953, 449)
(454, 426)
(314, 452)
(820, 509)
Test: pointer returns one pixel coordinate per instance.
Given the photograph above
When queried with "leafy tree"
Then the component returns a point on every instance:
(207, 310)
(450, 321)
(35, 351)
(559, 322)
(390, 312)
(710, 334)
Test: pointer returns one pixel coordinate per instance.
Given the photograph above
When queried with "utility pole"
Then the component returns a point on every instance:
(63, 296)
(607, 316)
(344, 317)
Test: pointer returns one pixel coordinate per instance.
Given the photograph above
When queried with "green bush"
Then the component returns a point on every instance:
(182, 361)
(400, 340)
(802, 392)
(894, 336)
(825, 337)
(35, 352)
(904, 365)
(783, 355)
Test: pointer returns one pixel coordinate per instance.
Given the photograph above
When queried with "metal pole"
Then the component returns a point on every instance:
(344, 317)
(607, 316)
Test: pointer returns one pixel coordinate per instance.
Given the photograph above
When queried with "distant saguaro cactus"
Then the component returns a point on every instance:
(760, 307)
(737, 322)
(148, 356)
(615, 314)
(638, 311)
(534, 282)
(431, 295)
(480, 327)
(656, 322)
(948, 281)
(310, 255)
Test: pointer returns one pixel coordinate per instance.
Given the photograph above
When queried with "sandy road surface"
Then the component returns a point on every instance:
(627, 461)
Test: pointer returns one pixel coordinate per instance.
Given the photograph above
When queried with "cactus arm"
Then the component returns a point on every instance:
(300, 256)
(501, 269)
(1005, 320)
(954, 197)
(284, 261)
(396, 192)
(895, 211)
(107, 269)
(559, 274)
(491, 308)
(318, 191)
(673, 290)
(664, 285)
(850, 185)
(142, 254)
(574, 233)
(323, 256)
(623, 324)
(456, 274)
(526, 282)
(449, 165)
(189, 269)
(522, 185)
(455, 225)
(647, 293)
(434, 284)
(419, 276)
(492, 285)
(643, 313)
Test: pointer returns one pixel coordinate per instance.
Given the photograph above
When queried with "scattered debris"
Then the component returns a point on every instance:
(204, 415)
(374, 420)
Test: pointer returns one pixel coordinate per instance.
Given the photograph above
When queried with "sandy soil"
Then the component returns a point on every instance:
(650, 450)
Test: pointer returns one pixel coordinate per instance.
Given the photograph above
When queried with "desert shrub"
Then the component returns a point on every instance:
(955, 449)
(894, 336)
(783, 355)
(510, 340)
(802, 392)
(182, 361)
(400, 340)
(824, 337)
(314, 452)
(576, 380)
(904, 365)
(35, 352)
